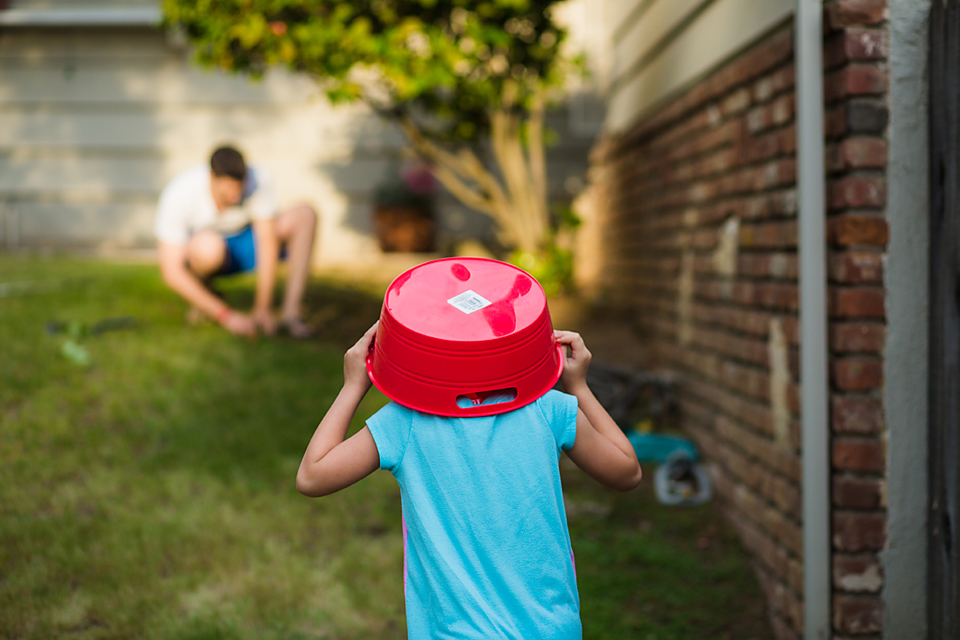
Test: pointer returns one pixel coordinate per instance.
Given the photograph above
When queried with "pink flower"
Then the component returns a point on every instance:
(418, 178)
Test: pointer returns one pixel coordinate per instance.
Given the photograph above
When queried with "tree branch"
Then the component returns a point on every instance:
(453, 169)
(537, 155)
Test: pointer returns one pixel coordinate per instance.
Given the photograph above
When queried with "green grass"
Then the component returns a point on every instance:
(150, 493)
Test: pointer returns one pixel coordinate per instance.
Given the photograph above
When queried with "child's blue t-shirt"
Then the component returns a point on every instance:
(487, 552)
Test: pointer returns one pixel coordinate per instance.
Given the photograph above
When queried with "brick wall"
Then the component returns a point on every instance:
(698, 213)
(855, 91)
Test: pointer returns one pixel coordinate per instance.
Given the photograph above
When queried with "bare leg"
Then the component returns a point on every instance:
(206, 252)
(296, 229)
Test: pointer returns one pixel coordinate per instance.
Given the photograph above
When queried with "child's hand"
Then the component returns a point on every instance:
(355, 360)
(576, 364)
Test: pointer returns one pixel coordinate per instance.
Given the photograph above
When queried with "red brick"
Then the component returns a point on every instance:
(769, 235)
(857, 302)
(791, 328)
(856, 374)
(756, 415)
(849, 13)
(854, 229)
(703, 142)
(776, 113)
(856, 267)
(761, 448)
(793, 391)
(775, 536)
(771, 144)
(857, 492)
(857, 153)
(856, 116)
(855, 44)
(856, 192)
(857, 337)
(773, 84)
(857, 615)
(783, 494)
(768, 265)
(855, 414)
(855, 80)
(860, 574)
(745, 379)
(736, 102)
(861, 454)
(835, 121)
(855, 531)
(795, 575)
(738, 347)
(703, 239)
(866, 44)
(771, 205)
(767, 295)
(750, 321)
(775, 173)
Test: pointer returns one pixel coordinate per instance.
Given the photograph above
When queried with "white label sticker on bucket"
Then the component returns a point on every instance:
(469, 301)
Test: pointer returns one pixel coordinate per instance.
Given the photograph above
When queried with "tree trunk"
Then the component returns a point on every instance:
(516, 195)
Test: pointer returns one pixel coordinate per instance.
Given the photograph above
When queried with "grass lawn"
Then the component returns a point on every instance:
(149, 493)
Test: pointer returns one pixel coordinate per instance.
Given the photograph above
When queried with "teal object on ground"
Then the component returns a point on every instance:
(656, 447)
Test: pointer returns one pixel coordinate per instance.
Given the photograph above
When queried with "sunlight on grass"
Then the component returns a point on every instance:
(150, 494)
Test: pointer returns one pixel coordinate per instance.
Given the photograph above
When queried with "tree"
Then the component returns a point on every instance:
(466, 81)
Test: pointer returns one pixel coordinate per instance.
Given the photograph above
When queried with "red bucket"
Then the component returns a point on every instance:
(457, 330)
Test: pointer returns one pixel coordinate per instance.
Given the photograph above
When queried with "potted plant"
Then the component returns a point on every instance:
(404, 209)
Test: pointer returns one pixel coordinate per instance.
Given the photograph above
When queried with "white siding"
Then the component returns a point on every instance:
(78, 4)
(94, 121)
(661, 47)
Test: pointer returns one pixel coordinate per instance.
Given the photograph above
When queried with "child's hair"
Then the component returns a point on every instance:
(226, 161)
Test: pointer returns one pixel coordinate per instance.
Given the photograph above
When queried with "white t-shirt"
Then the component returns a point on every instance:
(186, 205)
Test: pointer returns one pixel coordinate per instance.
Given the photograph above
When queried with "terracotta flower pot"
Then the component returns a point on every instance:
(404, 229)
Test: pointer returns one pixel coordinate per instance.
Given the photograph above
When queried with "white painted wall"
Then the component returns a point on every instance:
(658, 48)
(95, 119)
(906, 273)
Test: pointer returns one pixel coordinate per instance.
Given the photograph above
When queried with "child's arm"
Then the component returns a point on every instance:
(601, 449)
(330, 463)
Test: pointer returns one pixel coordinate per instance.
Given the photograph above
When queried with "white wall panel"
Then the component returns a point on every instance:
(94, 121)
(329, 134)
(619, 12)
(716, 33)
(659, 19)
(167, 80)
(114, 224)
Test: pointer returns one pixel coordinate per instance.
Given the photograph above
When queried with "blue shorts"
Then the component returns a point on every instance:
(241, 252)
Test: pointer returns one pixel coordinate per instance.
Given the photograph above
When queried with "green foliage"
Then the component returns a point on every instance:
(553, 264)
(448, 59)
(552, 267)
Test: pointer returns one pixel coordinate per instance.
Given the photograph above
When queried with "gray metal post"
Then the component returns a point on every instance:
(808, 43)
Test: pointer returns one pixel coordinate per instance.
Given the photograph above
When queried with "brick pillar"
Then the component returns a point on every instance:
(855, 88)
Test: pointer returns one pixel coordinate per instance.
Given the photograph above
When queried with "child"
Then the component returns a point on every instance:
(486, 546)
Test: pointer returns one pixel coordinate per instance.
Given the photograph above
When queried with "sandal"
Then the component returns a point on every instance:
(296, 328)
